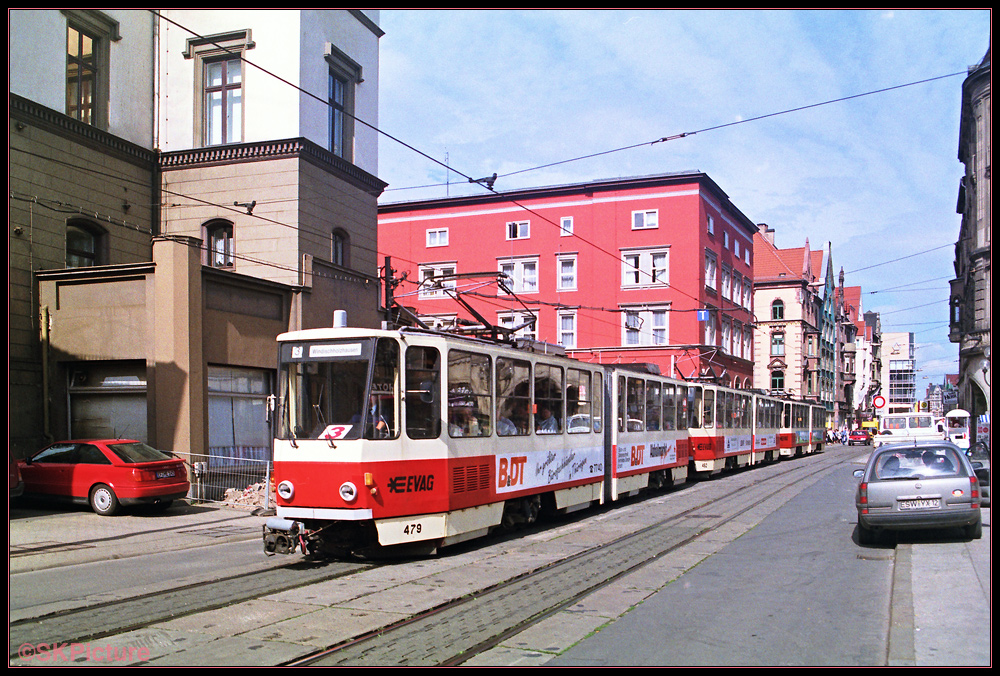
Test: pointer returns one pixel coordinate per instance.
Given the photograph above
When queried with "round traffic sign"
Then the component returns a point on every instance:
(879, 401)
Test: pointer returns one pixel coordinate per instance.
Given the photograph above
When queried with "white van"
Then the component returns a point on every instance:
(957, 423)
(894, 428)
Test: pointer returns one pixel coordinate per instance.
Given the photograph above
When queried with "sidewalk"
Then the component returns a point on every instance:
(41, 538)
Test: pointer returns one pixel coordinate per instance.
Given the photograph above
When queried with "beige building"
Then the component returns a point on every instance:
(971, 290)
(174, 207)
(795, 337)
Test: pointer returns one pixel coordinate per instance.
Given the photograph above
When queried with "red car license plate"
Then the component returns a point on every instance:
(164, 474)
(919, 504)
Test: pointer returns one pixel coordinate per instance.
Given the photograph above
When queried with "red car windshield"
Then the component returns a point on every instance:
(138, 452)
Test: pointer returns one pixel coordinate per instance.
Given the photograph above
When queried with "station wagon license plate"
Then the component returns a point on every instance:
(164, 474)
(919, 504)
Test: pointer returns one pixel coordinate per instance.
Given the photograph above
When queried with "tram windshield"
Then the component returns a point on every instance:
(339, 390)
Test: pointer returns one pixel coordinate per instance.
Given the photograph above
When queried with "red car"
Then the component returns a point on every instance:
(859, 437)
(106, 473)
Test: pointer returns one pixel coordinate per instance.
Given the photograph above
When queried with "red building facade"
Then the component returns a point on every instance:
(643, 270)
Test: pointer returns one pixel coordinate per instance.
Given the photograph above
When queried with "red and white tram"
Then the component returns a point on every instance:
(420, 439)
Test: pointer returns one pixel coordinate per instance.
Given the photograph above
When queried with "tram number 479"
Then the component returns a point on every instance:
(412, 529)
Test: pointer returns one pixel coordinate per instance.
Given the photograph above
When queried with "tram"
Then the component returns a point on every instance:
(416, 439)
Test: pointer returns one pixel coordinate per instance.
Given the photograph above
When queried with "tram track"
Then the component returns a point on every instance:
(455, 632)
(99, 620)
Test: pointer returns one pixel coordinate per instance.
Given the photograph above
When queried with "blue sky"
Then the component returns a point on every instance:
(876, 176)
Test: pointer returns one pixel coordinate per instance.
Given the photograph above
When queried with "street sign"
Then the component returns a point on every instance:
(878, 401)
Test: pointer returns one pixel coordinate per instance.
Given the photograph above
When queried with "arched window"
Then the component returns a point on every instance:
(85, 243)
(219, 244)
(777, 310)
(340, 248)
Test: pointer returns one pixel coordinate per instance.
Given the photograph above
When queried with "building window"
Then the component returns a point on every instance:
(340, 247)
(736, 247)
(711, 334)
(777, 344)
(725, 240)
(345, 75)
(727, 337)
(777, 310)
(84, 245)
(437, 237)
(88, 36)
(567, 273)
(223, 101)
(645, 220)
(521, 275)
(645, 268)
(567, 329)
(566, 226)
(645, 326)
(777, 380)
(711, 224)
(518, 230)
(81, 74)
(711, 269)
(524, 324)
(219, 85)
(727, 287)
(219, 240)
(436, 280)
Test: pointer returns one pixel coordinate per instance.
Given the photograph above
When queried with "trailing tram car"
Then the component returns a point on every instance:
(722, 438)
(766, 426)
(650, 442)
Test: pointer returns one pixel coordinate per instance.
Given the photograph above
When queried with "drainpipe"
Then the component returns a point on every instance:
(43, 325)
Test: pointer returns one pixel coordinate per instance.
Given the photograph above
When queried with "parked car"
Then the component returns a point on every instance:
(928, 484)
(105, 473)
(14, 482)
(979, 456)
(859, 437)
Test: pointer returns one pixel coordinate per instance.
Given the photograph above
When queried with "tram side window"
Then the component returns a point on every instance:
(423, 387)
(669, 407)
(548, 399)
(578, 414)
(513, 388)
(746, 411)
(709, 419)
(597, 397)
(653, 406)
(470, 394)
(635, 410)
(683, 412)
(694, 404)
(621, 404)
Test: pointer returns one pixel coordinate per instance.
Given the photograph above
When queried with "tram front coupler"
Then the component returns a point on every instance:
(281, 536)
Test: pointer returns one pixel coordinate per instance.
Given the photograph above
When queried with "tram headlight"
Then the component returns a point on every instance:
(348, 491)
(286, 490)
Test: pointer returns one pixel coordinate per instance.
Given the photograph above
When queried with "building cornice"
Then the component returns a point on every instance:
(25, 111)
(295, 148)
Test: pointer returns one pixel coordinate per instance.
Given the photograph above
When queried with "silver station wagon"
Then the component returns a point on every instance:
(923, 484)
